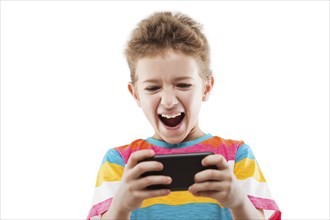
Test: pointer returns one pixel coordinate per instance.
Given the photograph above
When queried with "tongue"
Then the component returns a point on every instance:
(172, 122)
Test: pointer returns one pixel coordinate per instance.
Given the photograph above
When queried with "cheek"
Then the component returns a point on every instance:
(192, 102)
(149, 103)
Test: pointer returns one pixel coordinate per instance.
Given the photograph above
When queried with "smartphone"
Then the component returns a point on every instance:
(182, 168)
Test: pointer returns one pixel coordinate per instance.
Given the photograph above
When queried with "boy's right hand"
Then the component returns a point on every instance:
(132, 189)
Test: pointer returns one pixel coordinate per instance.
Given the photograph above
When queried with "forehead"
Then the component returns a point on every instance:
(169, 66)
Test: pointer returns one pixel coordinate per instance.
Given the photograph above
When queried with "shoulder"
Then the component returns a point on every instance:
(216, 140)
(122, 153)
(244, 151)
(226, 147)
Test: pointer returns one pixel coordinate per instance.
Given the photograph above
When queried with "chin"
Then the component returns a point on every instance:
(172, 139)
(174, 134)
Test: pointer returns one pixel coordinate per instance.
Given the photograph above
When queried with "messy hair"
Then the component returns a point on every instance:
(165, 31)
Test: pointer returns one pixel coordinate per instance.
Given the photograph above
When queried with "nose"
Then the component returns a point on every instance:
(168, 99)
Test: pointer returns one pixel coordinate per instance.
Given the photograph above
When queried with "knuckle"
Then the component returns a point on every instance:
(229, 178)
(133, 156)
(223, 160)
(135, 194)
(212, 173)
(226, 187)
(130, 189)
(207, 185)
(148, 180)
(140, 168)
(221, 157)
(210, 185)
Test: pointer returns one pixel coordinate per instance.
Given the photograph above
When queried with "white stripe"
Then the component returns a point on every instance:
(105, 191)
(253, 187)
(268, 213)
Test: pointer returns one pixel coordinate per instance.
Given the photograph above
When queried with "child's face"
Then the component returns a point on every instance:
(170, 92)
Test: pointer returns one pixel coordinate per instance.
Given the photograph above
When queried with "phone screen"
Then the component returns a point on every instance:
(182, 168)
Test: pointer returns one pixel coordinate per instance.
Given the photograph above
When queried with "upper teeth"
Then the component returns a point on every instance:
(171, 116)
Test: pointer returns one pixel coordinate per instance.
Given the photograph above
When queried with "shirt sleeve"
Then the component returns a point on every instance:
(107, 182)
(252, 181)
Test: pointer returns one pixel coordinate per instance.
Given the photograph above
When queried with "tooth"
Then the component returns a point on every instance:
(171, 116)
(178, 114)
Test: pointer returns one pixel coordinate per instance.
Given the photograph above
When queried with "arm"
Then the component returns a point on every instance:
(115, 213)
(222, 185)
(247, 211)
(131, 191)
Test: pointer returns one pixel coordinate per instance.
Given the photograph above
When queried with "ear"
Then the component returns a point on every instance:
(208, 88)
(132, 89)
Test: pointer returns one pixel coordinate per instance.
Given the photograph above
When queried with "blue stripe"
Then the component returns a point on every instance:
(112, 156)
(179, 145)
(198, 211)
(244, 151)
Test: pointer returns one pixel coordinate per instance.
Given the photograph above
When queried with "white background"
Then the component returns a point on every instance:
(64, 97)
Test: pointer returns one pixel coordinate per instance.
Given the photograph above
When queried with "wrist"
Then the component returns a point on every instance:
(116, 212)
(240, 204)
(245, 210)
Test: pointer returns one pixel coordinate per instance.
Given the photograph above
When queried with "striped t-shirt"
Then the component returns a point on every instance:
(182, 204)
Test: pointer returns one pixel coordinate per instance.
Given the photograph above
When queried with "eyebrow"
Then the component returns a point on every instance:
(150, 81)
(182, 78)
(175, 79)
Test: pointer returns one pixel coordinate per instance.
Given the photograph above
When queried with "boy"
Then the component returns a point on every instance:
(168, 56)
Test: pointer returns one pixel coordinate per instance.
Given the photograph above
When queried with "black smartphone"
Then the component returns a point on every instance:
(182, 168)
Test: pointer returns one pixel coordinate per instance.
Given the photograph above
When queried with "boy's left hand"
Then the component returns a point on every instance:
(220, 184)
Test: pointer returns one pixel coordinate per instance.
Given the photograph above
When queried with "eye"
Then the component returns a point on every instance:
(152, 88)
(184, 85)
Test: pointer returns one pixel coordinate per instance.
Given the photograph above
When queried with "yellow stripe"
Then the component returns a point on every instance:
(109, 172)
(177, 198)
(248, 168)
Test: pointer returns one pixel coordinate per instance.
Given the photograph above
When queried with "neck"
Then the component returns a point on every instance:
(195, 133)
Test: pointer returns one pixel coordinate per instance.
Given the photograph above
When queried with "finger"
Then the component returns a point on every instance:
(146, 194)
(144, 167)
(216, 159)
(206, 194)
(138, 156)
(206, 186)
(210, 174)
(142, 183)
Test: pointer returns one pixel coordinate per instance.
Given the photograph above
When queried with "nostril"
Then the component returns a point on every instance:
(169, 100)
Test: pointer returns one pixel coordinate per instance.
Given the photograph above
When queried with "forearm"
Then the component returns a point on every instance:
(114, 213)
(246, 211)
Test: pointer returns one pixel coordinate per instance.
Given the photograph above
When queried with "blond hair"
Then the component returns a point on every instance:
(163, 31)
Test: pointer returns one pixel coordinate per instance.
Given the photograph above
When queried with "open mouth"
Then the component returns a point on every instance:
(172, 120)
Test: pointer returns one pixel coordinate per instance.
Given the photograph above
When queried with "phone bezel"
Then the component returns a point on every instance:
(180, 167)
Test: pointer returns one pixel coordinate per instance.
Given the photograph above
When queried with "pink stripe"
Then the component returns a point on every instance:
(99, 208)
(228, 152)
(126, 151)
(276, 216)
(262, 203)
(266, 204)
(195, 148)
